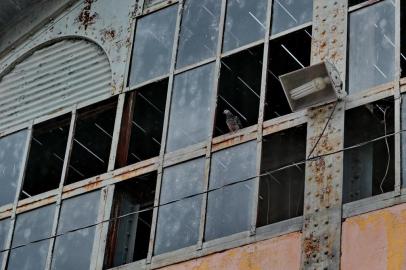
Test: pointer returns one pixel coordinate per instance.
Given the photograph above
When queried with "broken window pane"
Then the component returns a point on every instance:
(73, 249)
(153, 43)
(30, 257)
(92, 141)
(287, 14)
(245, 22)
(178, 222)
(369, 168)
(286, 54)
(46, 157)
(31, 226)
(239, 91)
(189, 120)
(229, 206)
(142, 123)
(131, 215)
(281, 192)
(11, 155)
(199, 31)
(371, 59)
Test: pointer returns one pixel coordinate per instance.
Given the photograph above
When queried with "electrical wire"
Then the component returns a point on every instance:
(266, 173)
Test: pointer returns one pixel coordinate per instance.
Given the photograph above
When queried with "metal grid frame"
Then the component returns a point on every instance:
(106, 181)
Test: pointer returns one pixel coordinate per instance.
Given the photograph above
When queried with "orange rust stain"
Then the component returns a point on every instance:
(280, 253)
(375, 240)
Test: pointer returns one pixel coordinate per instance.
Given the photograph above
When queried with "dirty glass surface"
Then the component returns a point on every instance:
(4, 228)
(287, 14)
(182, 180)
(73, 249)
(371, 46)
(245, 23)
(199, 31)
(11, 154)
(229, 210)
(29, 257)
(153, 43)
(189, 120)
(33, 225)
(178, 225)
(233, 164)
(150, 3)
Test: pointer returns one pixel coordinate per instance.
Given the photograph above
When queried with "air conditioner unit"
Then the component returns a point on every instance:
(312, 86)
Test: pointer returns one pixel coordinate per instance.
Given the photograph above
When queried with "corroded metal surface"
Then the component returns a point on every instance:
(323, 186)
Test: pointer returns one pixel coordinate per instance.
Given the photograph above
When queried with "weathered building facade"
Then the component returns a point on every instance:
(116, 150)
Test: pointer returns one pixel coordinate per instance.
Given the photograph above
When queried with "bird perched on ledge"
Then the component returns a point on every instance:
(232, 121)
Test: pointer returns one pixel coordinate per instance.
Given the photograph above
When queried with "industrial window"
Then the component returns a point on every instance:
(239, 91)
(371, 58)
(46, 156)
(4, 229)
(180, 206)
(142, 123)
(31, 239)
(356, 2)
(231, 185)
(245, 23)
(92, 141)
(153, 43)
(151, 3)
(199, 31)
(131, 216)
(189, 120)
(11, 159)
(287, 14)
(281, 191)
(74, 243)
(369, 161)
(286, 54)
(403, 136)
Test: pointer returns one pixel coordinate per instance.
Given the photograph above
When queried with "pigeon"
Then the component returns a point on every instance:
(232, 121)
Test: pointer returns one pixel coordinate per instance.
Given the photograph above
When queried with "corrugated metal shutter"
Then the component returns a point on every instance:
(53, 78)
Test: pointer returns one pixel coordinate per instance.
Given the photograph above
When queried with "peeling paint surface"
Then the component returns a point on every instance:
(375, 241)
(280, 253)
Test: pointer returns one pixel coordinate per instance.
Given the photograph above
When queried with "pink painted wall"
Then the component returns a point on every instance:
(280, 253)
(375, 241)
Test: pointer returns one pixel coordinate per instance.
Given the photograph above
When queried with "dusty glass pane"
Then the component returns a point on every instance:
(199, 31)
(233, 164)
(287, 14)
(11, 154)
(78, 212)
(371, 46)
(150, 3)
(29, 257)
(189, 120)
(4, 228)
(245, 22)
(33, 225)
(153, 42)
(182, 180)
(178, 225)
(73, 250)
(229, 210)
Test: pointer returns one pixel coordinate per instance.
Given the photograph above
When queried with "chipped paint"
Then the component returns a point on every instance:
(280, 253)
(375, 240)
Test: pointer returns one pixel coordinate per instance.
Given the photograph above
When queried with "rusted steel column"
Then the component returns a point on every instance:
(321, 240)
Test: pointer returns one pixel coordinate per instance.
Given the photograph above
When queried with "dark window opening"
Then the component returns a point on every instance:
(92, 141)
(369, 166)
(281, 192)
(239, 91)
(131, 221)
(286, 54)
(403, 37)
(142, 123)
(46, 156)
(357, 2)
